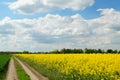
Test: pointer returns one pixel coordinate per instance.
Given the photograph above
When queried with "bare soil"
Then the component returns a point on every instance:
(11, 73)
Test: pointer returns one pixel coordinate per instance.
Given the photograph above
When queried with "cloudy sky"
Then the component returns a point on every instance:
(43, 25)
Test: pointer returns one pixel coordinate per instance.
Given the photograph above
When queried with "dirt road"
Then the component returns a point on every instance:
(34, 75)
(11, 74)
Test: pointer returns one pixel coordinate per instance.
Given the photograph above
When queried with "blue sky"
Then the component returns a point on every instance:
(5, 11)
(38, 25)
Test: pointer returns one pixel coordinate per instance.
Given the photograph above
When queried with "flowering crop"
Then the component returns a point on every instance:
(75, 66)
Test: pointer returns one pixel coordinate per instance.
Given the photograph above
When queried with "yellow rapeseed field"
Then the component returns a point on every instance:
(75, 66)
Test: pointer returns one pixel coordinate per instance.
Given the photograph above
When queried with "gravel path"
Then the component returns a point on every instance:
(34, 75)
(11, 74)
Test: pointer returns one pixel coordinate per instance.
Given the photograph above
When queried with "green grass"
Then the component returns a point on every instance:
(21, 73)
(4, 59)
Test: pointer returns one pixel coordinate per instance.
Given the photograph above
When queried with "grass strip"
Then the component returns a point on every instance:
(20, 72)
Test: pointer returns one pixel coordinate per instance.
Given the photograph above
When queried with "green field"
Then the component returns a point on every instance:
(4, 59)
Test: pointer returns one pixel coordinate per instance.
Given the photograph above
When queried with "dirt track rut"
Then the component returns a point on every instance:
(34, 75)
(11, 73)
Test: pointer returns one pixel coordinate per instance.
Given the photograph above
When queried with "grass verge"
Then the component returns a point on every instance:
(20, 72)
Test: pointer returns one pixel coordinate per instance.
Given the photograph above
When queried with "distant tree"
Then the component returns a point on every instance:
(25, 52)
(109, 51)
(77, 51)
(87, 50)
(100, 51)
(55, 51)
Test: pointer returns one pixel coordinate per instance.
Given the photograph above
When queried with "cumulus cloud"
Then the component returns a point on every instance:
(35, 6)
(108, 22)
(5, 27)
(51, 29)
(107, 26)
(55, 31)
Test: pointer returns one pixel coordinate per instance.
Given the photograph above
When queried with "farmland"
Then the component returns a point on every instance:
(61, 66)
(3, 65)
(75, 66)
(11, 69)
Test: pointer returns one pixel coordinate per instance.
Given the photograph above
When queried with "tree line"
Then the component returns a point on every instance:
(86, 50)
(68, 51)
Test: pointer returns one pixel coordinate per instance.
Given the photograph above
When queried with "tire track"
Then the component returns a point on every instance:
(34, 75)
(11, 73)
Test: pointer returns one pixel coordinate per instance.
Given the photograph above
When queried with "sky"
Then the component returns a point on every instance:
(45, 25)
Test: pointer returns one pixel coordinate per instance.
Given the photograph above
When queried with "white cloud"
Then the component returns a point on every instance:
(51, 29)
(108, 22)
(35, 6)
(107, 26)
(55, 31)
